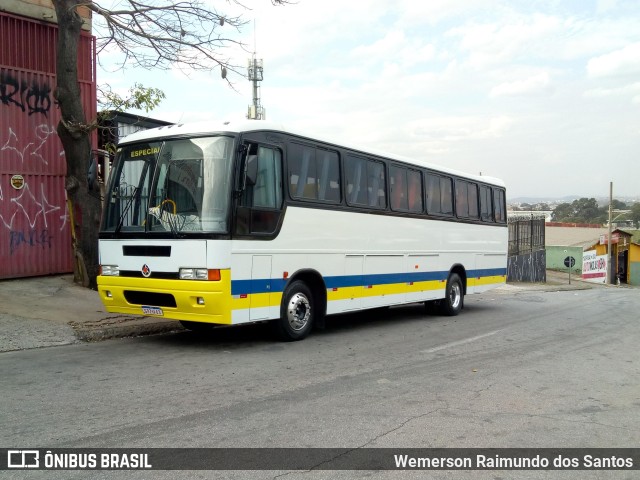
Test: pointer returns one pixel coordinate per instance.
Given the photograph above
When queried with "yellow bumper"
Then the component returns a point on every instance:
(216, 295)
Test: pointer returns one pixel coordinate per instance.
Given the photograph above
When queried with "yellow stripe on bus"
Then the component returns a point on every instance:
(271, 299)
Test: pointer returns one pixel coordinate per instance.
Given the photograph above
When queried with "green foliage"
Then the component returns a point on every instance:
(139, 98)
(635, 213)
(618, 205)
(586, 210)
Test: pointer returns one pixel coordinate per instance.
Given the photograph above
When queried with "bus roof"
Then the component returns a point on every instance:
(202, 128)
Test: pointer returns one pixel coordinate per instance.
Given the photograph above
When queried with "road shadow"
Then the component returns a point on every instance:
(407, 317)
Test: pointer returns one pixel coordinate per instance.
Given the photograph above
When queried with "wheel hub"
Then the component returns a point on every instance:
(455, 296)
(298, 311)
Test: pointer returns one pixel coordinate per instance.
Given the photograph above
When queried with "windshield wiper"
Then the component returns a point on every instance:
(126, 209)
(172, 221)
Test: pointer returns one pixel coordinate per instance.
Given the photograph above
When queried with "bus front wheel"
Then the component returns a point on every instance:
(454, 296)
(296, 313)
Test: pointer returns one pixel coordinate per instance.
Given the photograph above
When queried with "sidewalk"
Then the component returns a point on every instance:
(556, 282)
(47, 311)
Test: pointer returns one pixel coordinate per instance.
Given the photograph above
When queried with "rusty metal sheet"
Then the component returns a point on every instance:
(35, 236)
(30, 45)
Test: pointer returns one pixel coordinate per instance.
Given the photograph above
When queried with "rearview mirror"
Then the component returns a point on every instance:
(251, 170)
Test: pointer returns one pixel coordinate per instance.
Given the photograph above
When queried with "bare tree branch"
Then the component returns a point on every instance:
(163, 33)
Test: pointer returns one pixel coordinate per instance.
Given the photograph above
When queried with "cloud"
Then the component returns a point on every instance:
(490, 85)
(494, 43)
(534, 85)
(433, 12)
(457, 129)
(632, 90)
(395, 47)
(622, 62)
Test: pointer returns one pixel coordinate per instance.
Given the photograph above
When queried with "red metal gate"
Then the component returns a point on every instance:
(35, 236)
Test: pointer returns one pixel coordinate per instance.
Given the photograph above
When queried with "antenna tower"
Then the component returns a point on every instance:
(255, 71)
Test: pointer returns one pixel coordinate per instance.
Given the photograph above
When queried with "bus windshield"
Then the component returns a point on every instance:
(176, 186)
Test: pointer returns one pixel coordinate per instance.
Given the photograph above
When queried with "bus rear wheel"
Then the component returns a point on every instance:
(296, 313)
(454, 296)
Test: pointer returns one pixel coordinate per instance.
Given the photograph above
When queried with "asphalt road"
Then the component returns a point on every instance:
(515, 369)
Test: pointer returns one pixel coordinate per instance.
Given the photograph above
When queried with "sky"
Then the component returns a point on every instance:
(542, 94)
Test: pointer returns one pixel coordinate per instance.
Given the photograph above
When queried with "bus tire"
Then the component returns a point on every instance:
(199, 327)
(296, 313)
(454, 296)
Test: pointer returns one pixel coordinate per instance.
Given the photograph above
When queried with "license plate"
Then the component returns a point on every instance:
(152, 310)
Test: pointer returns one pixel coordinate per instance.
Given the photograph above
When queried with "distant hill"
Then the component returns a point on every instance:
(534, 200)
(570, 198)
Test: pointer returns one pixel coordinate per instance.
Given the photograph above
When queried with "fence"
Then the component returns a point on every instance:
(527, 255)
(526, 234)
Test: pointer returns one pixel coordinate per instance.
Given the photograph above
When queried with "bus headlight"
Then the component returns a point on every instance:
(193, 274)
(199, 274)
(109, 270)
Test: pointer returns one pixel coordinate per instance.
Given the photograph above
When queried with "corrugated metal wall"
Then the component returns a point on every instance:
(35, 236)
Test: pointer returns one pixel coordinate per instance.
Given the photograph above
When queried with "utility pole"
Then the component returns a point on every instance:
(609, 257)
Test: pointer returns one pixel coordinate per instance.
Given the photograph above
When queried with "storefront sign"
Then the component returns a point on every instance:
(594, 267)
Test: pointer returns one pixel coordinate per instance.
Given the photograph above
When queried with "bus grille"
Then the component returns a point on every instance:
(150, 298)
(160, 275)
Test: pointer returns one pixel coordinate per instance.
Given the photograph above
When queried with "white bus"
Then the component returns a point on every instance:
(251, 221)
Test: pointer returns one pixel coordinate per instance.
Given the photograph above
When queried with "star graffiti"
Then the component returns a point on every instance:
(31, 207)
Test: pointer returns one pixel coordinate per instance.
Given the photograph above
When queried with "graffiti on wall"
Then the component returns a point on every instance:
(33, 149)
(32, 238)
(43, 219)
(28, 219)
(31, 98)
(529, 267)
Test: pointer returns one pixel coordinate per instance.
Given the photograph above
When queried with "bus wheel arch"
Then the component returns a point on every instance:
(303, 305)
(462, 273)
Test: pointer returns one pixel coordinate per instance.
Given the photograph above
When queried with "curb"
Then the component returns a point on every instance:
(122, 327)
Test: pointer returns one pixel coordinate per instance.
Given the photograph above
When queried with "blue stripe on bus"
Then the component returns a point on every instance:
(274, 285)
(487, 272)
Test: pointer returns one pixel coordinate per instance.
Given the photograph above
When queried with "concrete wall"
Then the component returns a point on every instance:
(530, 267)
(556, 255)
(634, 265)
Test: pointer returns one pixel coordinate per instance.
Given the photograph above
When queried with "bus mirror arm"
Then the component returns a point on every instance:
(241, 176)
(249, 169)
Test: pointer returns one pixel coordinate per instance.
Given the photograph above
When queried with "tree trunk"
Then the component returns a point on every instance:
(74, 134)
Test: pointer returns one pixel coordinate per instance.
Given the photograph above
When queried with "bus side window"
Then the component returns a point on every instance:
(414, 181)
(499, 206)
(405, 189)
(302, 172)
(486, 210)
(462, 199)
(376, 188)
(267, 192)
(472, 191)
(433, 195)
(329, 176)
(398, 188)
(258, 211)
(356, 180)
(446, 195)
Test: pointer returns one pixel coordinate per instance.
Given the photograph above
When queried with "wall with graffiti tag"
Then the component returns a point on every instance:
(35, 234)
